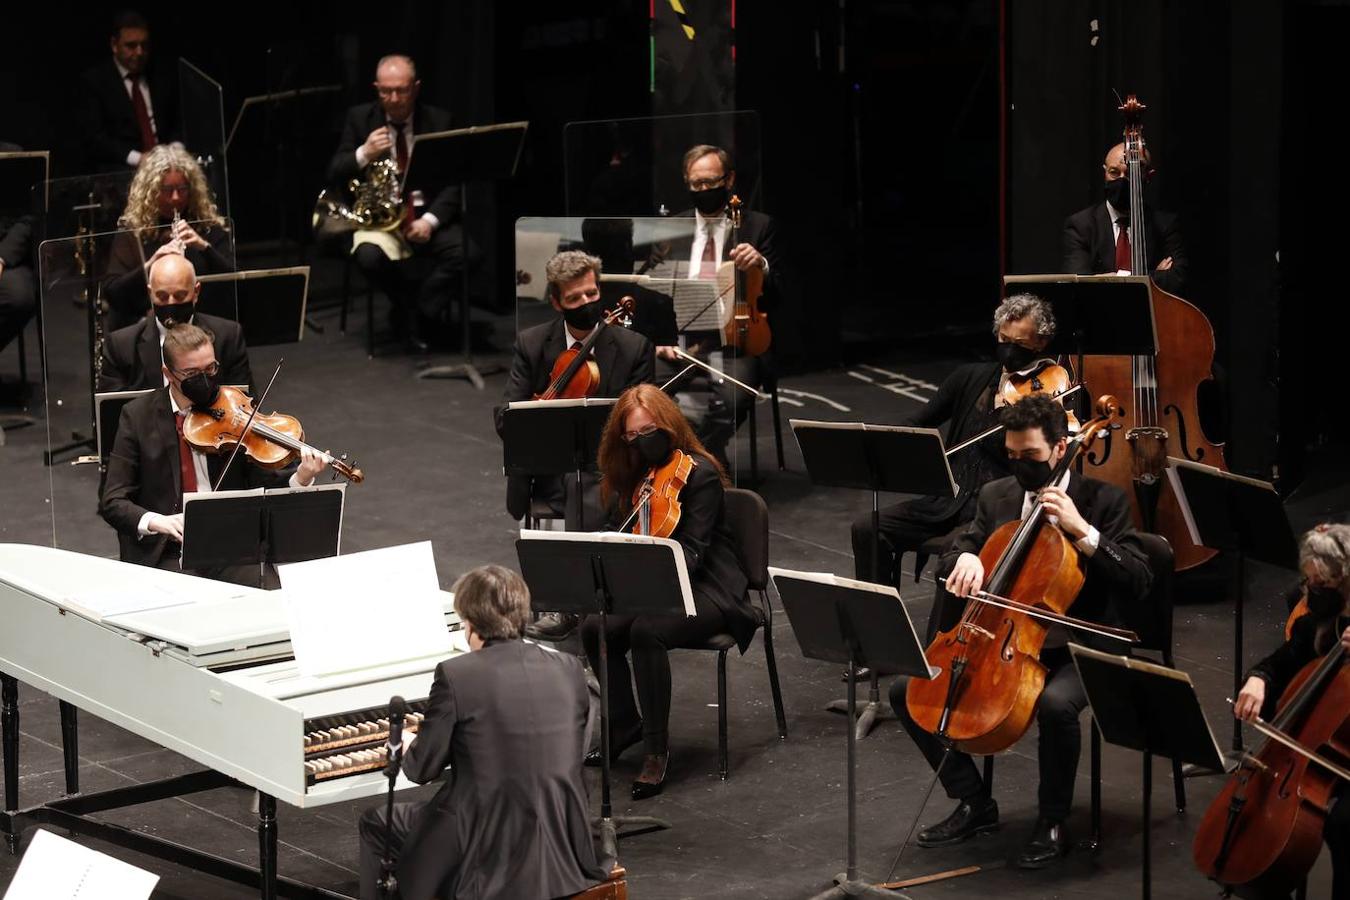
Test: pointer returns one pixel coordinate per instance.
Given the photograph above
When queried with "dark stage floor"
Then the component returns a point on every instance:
(775, 829)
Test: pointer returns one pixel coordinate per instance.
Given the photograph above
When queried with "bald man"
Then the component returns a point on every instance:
(1097, 240)
(426, 265)
(133, 356)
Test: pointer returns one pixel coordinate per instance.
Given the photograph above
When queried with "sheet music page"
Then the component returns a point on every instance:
(54, 868)
(623, 537)
(364, 609)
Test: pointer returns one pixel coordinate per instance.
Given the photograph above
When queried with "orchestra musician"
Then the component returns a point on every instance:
(151, 466)
(643, 434)
(170, 210)
(710, 176)
(127, 107)
(18, 286)
(1324, 559)
(132, 356)
(1097, 239)
(1096, 517)
(511, 818)
(429, 245)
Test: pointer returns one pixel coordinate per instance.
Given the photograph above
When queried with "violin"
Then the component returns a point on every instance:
(991, 676)
(575, 374)
(1265, 826)
(273, 440)
(748, 328)
(657, 498)
(1050, 379)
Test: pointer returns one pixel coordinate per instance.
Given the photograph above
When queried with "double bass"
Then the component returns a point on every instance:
(1161, 417)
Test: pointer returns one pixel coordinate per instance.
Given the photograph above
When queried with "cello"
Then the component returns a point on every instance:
(1163, 418)
(990, 674)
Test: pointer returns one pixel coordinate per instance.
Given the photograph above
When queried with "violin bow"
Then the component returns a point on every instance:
(1281, 737)
(1119, 634)
(693, 361)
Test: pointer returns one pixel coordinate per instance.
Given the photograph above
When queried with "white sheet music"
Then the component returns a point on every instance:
(54, 868)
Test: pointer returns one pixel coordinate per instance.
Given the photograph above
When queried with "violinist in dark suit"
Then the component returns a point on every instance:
(431, 235)
(1096, 517)
(152, 466)
(644, 432)
(1097, 239)
(504, 733)
(125, 109)
(132, 359)
(710, 177)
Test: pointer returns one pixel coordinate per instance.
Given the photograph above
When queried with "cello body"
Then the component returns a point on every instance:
(1278, 804)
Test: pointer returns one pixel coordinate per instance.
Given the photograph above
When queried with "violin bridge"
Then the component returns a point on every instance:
(983, 632)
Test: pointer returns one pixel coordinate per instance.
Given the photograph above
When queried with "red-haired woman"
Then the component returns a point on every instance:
(645, 429)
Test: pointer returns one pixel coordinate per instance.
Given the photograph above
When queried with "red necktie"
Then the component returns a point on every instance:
(1123, 245)
(148, 140)
(401, 156)
(707, 267)
(185, 466)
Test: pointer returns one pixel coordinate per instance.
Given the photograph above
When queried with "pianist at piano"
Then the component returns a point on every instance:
(505, 786)
(151, 466)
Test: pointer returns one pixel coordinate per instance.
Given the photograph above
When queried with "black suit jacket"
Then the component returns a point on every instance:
(624, 358)
(143, 476)
(442, 200)
(107, 119)
(1089, 246)
(1117, 574)
(132, 356)
(16, 241)
(511, 820)
(759, 231)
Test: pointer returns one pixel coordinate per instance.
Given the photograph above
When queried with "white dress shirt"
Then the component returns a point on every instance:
(714, 228)
(134, 157)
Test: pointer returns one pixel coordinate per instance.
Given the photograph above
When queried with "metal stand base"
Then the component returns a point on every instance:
(77, 440)
(874, 711)
(467, 370)
(611, 829)
(844, 888)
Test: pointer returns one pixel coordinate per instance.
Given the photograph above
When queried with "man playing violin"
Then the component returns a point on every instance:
(1324, 558)
(644, 434)
(1096, 517)
(152, 467)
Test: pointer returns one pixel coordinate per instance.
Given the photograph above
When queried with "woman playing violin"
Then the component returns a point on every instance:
(1324, 558)
(645, 432)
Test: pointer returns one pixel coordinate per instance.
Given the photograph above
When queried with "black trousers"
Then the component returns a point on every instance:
(405, 820)
(649, 639)
(422, 284)
(18, 301)
(1060, 740)
(900, 532)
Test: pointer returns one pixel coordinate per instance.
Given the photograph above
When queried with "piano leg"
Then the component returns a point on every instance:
(267, 845)
(70, 746)
(9, 717)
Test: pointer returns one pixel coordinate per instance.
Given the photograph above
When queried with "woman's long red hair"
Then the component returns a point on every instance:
(620, 466)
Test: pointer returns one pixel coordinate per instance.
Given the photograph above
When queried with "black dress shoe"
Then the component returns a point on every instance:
(616, 748)
(1047, 844)
(971, 817)
(552, 626)
(652, 779)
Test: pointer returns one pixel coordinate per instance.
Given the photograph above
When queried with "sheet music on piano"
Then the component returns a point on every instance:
(700, 304)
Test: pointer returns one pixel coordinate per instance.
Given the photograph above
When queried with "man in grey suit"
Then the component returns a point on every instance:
(506, 726)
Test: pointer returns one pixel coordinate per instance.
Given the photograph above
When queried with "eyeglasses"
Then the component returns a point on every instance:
(705, 184)
(394, 91)
(213, 369)
(630, 436)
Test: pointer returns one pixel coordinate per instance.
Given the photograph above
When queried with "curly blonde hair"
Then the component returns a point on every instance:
(142, 212)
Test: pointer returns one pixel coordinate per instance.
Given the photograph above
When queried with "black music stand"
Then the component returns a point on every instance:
(542, 438)
(1152, 709)
(261, 527)
(893, 458)
(461, 156)
(268, 303)
(603, 574)
(840, 620)
(1243, 515)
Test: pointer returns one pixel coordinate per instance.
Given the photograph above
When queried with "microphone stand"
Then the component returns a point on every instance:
(388, 883)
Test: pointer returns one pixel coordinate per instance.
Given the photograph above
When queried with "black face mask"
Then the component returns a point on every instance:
(1031, 474)
(1014, 357)
(1325, 602)
(709, 202)
(1118, 194)
(201, 389)
(583, 317)
(654, 448)
(171, 314)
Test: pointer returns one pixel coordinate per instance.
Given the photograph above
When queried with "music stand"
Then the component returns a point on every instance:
(841, 620)
(477, 153)
(603, 574)
(541, 438)
(1152, 709)
(1243, 515)
(894, 458)
(268, 303)
(261, 527)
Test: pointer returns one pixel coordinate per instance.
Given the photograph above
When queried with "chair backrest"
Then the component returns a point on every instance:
(748, 519)
(1153, 622)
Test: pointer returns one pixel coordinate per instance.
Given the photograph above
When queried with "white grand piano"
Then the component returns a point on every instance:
(203, 668)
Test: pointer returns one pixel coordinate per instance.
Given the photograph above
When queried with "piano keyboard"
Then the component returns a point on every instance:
(337, 746)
